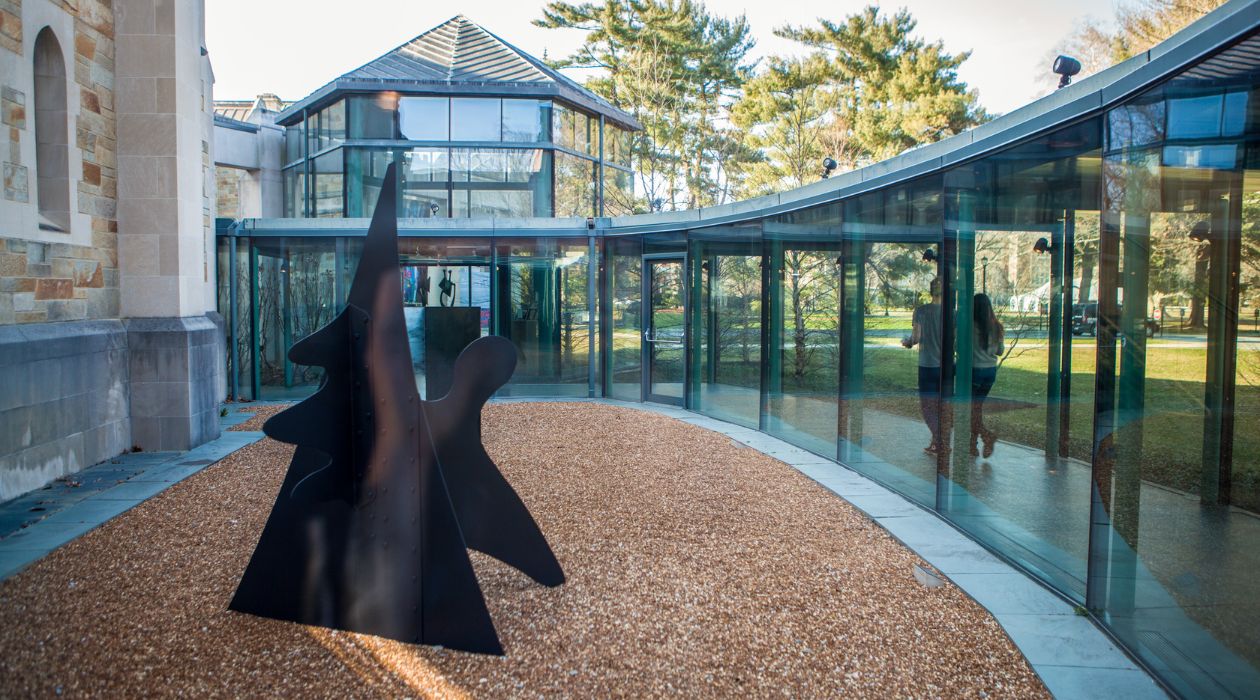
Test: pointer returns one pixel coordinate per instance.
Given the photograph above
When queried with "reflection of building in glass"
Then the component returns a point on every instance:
(478, 128)
(1119, 222)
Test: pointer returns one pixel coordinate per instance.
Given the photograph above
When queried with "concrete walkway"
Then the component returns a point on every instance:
(34, 524)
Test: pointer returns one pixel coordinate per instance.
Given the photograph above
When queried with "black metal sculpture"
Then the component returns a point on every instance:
(385, 491)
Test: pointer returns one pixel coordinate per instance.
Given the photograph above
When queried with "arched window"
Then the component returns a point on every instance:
(52, 157)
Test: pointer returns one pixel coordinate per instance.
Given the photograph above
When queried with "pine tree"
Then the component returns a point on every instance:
(676, 68)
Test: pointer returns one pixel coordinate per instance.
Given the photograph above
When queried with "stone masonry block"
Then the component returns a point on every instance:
(84, 46)
(54, 289)
(12, 107)
(12, 264)
(16, 183)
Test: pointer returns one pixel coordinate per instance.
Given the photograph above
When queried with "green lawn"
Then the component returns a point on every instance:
(1171, 446)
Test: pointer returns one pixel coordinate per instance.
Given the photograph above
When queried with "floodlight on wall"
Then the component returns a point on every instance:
(1042, 246)
(829, 164)
(930, 256)
(1066, 67)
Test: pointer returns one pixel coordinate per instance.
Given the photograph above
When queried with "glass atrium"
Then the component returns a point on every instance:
(457, 157)
(1114, 228)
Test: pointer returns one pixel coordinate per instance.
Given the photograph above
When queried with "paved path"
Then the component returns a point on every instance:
(38, 522)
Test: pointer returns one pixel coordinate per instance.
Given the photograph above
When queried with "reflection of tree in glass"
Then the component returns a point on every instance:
(737, 306)
(894, 274)
(311, 301)
(574, 186)
(1179, 264)
(811, 294)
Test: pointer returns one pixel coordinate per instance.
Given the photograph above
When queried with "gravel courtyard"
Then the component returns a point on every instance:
(696, 567)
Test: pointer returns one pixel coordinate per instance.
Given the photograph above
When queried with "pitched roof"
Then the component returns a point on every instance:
(242, 110)
(460, 56)
(458, 50)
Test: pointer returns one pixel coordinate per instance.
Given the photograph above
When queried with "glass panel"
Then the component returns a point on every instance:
(498, 203)
(616, 145)
(1174, 541)
(666, 331)
(526, 120)
(544, 309)
(442, 278)
(1019, 402)
(295, 192)
(562, 125)
(1136, 124)
(374, 116)
(332, 125)
(501, 182)
(365, 171)
(241, 331)
(804, 340)
(892, 331)
(312, 133)
(295, 297)
(424, 118)
(484, 165)
(618, 192)
(582, 140)
(625, 283)
(425, 172)
(476, 119)
(292, 143)
(575, 185)
(727, 364)
(328, 185)
(1245, 475)
(892, 396)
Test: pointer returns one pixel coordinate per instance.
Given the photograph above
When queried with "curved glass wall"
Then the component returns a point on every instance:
(1054, 344)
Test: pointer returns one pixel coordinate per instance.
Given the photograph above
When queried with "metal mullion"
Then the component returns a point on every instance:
(233, 310)
(592, 270)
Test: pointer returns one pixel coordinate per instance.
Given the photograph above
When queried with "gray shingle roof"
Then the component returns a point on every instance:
(460, 56)
(457, 50)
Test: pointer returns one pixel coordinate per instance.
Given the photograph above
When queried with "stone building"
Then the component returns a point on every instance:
(248, 146)
(108, 341)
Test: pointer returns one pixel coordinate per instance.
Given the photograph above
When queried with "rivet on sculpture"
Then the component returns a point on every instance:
(386, 492)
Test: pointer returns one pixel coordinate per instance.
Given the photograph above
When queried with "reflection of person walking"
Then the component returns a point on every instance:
(986, 348)
(925, 332)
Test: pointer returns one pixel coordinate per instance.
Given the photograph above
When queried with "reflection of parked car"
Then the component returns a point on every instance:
(1085, 320)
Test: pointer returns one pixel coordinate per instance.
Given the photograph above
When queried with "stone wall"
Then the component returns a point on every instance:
(64, 400)
(52, 275)
(229, 182)
(105, 337)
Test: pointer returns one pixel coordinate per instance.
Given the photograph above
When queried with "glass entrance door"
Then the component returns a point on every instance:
(664, 330)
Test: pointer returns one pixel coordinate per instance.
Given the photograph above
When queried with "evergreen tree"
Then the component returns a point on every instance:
(786, 110)
(893, 91)
(676, 68)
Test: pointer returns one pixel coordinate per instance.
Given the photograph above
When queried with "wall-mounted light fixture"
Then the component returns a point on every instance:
(1066, 67)
(829, 164)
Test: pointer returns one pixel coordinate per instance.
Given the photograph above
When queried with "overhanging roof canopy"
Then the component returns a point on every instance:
(459, 57)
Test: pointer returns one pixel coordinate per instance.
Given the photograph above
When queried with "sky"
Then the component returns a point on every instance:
(292, 47)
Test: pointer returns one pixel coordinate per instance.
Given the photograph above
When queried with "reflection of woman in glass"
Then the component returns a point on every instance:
(986, 348)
